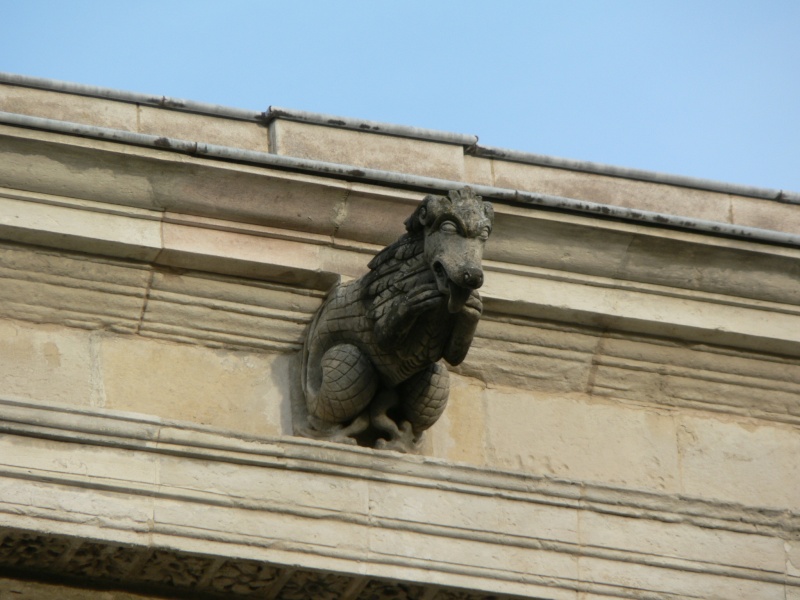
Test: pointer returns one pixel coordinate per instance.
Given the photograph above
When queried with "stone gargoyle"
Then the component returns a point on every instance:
(372, 372)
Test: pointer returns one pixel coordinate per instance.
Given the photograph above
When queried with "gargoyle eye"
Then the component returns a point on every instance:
(448, 227)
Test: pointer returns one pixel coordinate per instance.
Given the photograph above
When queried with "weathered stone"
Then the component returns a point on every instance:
(79, 109)
(390, 153)
(464, 419)
(247, 389)
(740, 460)
(47, 364)
(617, 191)
(84, 225)
(575, 438)
(203, 128)
(371, 370)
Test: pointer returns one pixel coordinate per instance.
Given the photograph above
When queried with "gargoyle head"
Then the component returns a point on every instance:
(455, 228)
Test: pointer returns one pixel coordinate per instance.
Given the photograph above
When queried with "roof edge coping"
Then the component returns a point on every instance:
(582, 166)
(167, 102)
(415, 133)
(470, 142)
(397, 179)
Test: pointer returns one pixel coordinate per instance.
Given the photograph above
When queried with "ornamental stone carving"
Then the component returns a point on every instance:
(372, 368)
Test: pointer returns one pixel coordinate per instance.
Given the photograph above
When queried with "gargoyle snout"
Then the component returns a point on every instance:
(472, 277)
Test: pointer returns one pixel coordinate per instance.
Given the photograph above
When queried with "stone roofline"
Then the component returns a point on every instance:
(469, 142)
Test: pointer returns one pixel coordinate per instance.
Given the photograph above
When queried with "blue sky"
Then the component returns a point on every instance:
(701, 88)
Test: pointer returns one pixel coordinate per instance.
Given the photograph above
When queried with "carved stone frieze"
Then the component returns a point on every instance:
(243, 577)
(171, 569)
(165, 572)
(382, 590)
(309, 584)
(102, 562)
(372, 361)
(29, 551)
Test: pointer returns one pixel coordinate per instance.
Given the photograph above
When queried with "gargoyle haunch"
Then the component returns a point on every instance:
(372, 371)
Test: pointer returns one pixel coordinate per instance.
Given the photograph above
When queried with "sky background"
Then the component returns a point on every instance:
(702, 88)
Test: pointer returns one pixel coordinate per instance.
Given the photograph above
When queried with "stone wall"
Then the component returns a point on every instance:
(625, 425)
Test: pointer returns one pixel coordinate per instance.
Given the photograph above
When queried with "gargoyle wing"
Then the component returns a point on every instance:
(393, 273)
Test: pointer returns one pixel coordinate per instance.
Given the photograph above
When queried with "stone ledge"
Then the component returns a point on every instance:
(195, 490)
(253, 222)
(146, 433)
(747, 221)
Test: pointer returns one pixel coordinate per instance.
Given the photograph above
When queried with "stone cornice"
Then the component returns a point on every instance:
(159, 486)
(244, 220)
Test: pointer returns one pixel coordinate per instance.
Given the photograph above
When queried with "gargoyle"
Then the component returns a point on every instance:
(372, 371)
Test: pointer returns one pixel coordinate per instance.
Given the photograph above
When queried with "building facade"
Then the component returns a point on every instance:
(626, 424)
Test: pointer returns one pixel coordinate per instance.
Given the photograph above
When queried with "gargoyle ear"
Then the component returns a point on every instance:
(425, 214)
(488, 211)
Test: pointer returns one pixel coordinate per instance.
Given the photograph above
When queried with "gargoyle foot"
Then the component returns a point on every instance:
(400, 437)
(336, 432)
(403, 441)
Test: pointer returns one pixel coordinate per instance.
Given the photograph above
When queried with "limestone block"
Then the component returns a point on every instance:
(243, 391)
(256, 486)
(374, 151)
(187, 244)
(203, 128)
(460, 434)
(617, 191)
(368, 216)
(65, 506)
(485, 516)
(765, 214)
(247, 194)
(558, 244)
(48, 286)
(478, 170)
(694, 317)
(261, 528)
(748, 273)
(792, 549)
(74, 167)
(68, 107)
(521, 570)
(682, 541)
(228, 312)
(348, 259)
(45, 363)
(654, 581)
(699, 376)
(79, 225)
(572, 437)
(740, 460)
(74, 459)
(531, 354)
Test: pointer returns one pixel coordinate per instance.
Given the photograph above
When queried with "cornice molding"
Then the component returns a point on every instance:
(370, 491)
(297, 229)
